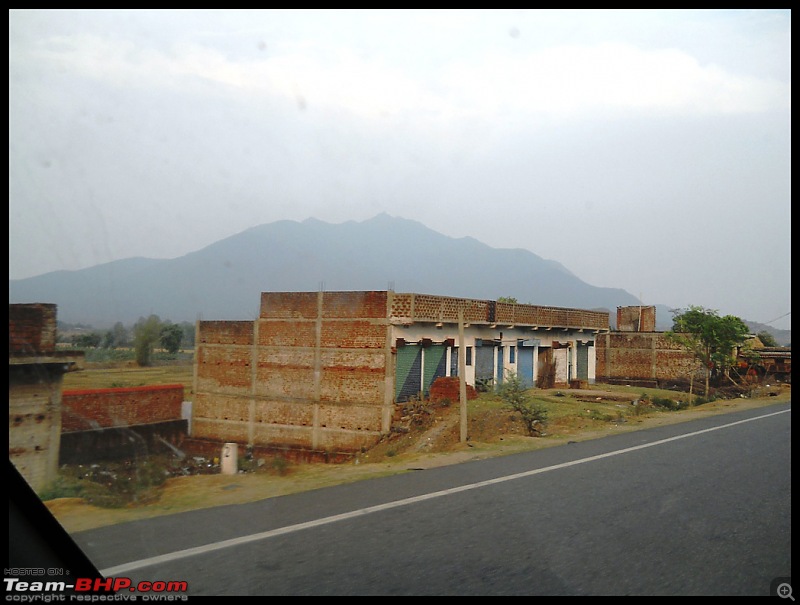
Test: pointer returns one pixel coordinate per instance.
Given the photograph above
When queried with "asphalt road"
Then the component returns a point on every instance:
(696, 508)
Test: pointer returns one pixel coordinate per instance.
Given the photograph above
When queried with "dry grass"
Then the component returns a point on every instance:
(432, 441)
(105, 376)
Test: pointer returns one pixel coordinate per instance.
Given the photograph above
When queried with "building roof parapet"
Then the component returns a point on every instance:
(409, 308)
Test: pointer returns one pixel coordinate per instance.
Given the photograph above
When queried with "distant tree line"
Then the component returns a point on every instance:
(147, 334)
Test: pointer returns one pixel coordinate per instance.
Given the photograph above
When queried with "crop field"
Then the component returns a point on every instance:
(128, 374)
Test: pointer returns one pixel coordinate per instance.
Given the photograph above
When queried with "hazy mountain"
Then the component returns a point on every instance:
(224, 280)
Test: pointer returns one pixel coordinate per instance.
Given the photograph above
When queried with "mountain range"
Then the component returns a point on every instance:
(224, 280)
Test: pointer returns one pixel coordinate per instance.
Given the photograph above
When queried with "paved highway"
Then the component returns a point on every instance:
(698, 508)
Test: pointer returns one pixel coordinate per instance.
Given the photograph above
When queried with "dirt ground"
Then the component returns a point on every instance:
(431, 442)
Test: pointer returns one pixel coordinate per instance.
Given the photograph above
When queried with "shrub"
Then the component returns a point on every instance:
(112, 485)
(702, 400)
(514, 396)
(62, 487)
(669, 404)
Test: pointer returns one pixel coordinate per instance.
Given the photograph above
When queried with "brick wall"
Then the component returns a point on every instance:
(31, 328)
(643, 357)
(426, 307)
(636, 319)
(103, 408)
(312, 375)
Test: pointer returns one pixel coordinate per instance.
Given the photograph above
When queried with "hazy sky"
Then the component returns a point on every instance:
(646, 150)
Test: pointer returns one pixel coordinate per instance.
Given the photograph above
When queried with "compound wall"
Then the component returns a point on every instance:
(643, 358)
(313, 372)
(103, 408)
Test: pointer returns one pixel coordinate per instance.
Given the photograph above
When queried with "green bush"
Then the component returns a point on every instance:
(112, 484)
(670, 404)
(62, 487)
(515, 396)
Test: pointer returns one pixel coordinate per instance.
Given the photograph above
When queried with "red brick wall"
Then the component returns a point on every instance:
(87, 409)
(427, 307)
(226, 332)
(636, 319)
(349, 305)
(316, 378)
(289, 305)
(31, 328)
(642, 356)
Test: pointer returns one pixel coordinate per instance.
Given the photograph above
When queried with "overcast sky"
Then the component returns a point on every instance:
(642, 149)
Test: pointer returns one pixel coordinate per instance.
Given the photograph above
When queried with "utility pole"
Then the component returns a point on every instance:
(462, 374)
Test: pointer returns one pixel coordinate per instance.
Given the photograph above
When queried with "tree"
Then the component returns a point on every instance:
(116, 337)
(146, 333)
(188, 334)
(710, 338)
(767, 339)
(91, 340)
(507, 299)
(171, 336)
(513, 393)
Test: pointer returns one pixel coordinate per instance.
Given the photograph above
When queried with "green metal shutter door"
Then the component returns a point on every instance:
(500, 365)
(435, 360)
(408, 372)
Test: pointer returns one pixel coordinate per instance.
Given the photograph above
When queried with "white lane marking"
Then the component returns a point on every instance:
(181, 554)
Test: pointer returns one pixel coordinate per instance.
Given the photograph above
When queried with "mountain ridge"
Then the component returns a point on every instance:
(224, 280)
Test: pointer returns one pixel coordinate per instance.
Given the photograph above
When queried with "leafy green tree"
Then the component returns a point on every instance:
(514, 395)
(507, 299)
(188, 333)
(767, 339)
(171, 337)
(91, 340)
(116, 337)
(710, 338)
(108, 340)
(146, 333)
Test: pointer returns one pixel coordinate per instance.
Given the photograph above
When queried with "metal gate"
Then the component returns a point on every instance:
(484, 363)
(434, 365)
(408, 372)
(582, 371)
(500, 368)
(416, 369)
(525, 365)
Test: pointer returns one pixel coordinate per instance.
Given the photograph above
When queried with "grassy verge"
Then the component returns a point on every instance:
(163, 484)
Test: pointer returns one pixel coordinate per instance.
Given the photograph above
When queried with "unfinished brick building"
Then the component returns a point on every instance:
(35, 378)
(636, 354)
(636, 319)
(323, 371)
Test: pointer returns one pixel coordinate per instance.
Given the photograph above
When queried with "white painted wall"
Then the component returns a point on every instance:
(566, 358)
